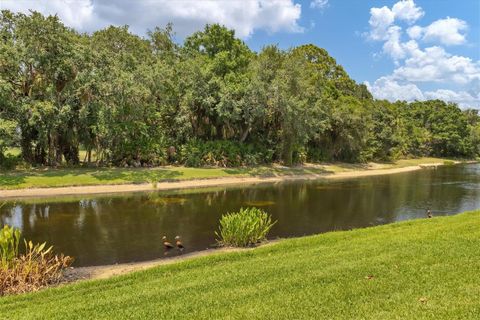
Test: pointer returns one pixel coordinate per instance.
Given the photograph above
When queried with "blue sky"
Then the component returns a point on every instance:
(402, 49)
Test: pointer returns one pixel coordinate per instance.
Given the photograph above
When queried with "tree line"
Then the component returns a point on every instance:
(211, 100)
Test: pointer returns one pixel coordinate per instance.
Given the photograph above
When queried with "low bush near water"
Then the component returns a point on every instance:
(244, 228)
(38, 267)
(223, 153)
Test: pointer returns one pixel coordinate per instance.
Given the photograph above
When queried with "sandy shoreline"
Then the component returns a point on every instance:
(107, 271)
(198, 183)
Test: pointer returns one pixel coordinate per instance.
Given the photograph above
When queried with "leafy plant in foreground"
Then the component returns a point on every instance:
(36, 268)
(244, 228)
(9, 240)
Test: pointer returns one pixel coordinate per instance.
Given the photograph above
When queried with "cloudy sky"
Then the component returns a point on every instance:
(407, 49)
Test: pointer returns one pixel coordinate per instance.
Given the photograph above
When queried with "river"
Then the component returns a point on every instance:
(119, 228)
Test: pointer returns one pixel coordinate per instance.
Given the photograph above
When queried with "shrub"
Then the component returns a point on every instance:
(190, 154)
(38, 267)
(244, 228)
(299, 156)
(9, 162)
(448, 163)
(223, 153)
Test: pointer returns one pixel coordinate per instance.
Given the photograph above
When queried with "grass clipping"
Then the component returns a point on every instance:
(38, 267)
(244, 228)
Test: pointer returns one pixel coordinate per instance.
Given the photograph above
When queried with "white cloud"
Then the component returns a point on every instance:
(393, 46)
(414, 65)
(434, 64)
(407, 10)
(449, 31)
(186, 15)
(380, 20)
(318, 4)
(389, 89)
(415, 32)
(462, 98)
(75, 14)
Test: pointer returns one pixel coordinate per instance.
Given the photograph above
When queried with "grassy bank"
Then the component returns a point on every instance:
(39, 178)
(424, 269)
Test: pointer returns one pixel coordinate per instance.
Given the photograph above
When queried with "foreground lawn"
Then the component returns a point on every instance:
(40, 178)
(424, 269)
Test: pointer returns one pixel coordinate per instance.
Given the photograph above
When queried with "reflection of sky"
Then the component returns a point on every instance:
(14, 219)
(468, 187)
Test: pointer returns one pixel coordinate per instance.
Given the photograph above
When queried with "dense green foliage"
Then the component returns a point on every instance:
(423, 269)
(244, 228)
(209, 101)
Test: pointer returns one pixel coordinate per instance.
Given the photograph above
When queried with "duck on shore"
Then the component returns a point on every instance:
(166, 245)
(179, 243)
(429, 213)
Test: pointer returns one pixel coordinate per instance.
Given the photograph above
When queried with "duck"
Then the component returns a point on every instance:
(179, 243)
(429, 213)
(167, 245)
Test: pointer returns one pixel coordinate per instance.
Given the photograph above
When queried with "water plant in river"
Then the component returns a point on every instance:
(244, 228)
(260, 203)
(36, 268)
(9, 241)
(167, 200)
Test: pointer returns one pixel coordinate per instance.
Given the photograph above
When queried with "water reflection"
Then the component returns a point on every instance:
(122, 228)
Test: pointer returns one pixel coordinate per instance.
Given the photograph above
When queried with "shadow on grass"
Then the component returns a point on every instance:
(352, 166)
(67, 176)
(11, 179)
(137, 175)
(276, 171)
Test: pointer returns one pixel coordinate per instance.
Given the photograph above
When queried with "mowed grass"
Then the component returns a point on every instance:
(423, 269)
(41, 178)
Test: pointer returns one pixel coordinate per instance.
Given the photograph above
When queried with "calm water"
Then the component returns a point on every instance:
(124, 228)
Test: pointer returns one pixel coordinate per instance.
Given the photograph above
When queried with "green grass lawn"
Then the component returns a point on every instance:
(423, 269)
(39, 178)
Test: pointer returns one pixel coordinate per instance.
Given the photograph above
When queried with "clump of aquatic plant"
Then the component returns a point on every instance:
(448, 163)
(9, 241)
(260, 203)
(38, 267)
(244, 228)
(168, 200)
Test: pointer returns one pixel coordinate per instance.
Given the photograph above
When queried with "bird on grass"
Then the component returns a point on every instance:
(429, 213)
(179, 243)
(167, 245)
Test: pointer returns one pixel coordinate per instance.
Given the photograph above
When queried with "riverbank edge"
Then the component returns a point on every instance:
(203, 183)
(76, 274)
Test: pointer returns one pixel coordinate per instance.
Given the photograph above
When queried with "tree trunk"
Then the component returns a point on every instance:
(287, 151)
(245, 134)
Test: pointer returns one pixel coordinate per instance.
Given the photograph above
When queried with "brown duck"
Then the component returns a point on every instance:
(429, 213)
(167, 245)
(179, 243)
